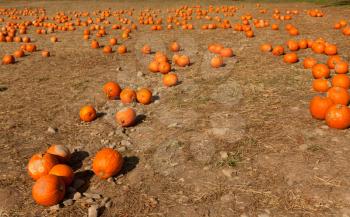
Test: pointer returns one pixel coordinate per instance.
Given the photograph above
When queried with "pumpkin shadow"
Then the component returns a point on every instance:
(100, 114)
(130, 163)
(77, 159)
(85, 175)
(140, 118)
(155, 98)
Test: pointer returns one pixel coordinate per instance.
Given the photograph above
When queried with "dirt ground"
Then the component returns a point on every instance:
(236, 141)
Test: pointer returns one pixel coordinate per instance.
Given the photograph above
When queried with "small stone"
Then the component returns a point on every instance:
(181, 179)
(68, 202)
(113, 145)
(93, 211)
(119, 68)
(303, 147)
(324, 127)
(55, 207)
(183, 199)
(173, 125)
(125, 188)
(125, 143)
(51, 130)
(119, 182)
(140, 74)
(88, 167)
(70, 189)
(104, 201)
(110, 134)
(156, 101)
(110, 179)
(89, 200)
(121, 149)
(77, 196)
(226, 198)
(227, 172)
(152, 202)
(108, 204)
(78, 183)
(91, 195)
(104, 141)
(223, 155)
(3, 88)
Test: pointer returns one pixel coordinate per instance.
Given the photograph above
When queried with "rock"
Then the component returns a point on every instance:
(156, 101)
(140, 74)
(173, 125)
(303, 147)
(125, 143)
(119, 182)
(121, 149)
(110, 179)
(227, 172)
(93, 211)
(77, 196)
(110, 134)
(91, 195)
(89, 200)
(108, 204)
(325, 127)
(3, 88)
(152, 202)
(51, 130)
(119, 68)
(223, 155)
(68, 202)
(113, 145)
(227, 198)
(104, 201)
(183, 199)
(104, 141)
(55, 207)
(78, 183)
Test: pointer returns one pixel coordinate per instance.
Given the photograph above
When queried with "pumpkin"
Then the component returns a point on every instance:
(153, 66)
(226, 52)
(112, 90)
(293, 45)
(170, 79)
(126, 117)
(341, 67)
(266, 48)
(40, 165)
(215, 48)
(8, 59)
(107, 49)
(330, 49)
(278, 50)
(122, 49)
(216, 62)
(174, 47)
(320, 71)
(48, 190)
(309, 62)
(290, 58)
(274, 27)
(144, 96)
(87, 113)
(338, 116)
(61, 152)
(63, 171)
(95, 44)
(318, 47)
(127, 95)
(341, 80)
(320, 85)
(107, 163)
(146, 49)
(113, 41)
(318, 107)
(338, 95)
(303, 44)
(183, 61)
(18, 53)
(164, 67)
(45, 53)
(249, 34)
(53, 39)
(160, 57)
(333, 60)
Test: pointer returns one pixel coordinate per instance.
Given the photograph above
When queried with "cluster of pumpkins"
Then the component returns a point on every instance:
(334, 106)
(343, 26)
(52, 173)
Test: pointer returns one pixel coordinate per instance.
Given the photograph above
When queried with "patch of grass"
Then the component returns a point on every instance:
(314, 148)
(232, 160)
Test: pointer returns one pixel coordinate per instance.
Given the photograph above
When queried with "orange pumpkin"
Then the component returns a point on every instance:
(318, 47)
(122, 49)
(40, 165)
(216, 62)
(290, 58)
(61, 152)
(278, 50)
(107, 163)
(107, 49)
(153, 66)
(45, 53)
(87, 113)
(266, 48)
(293, 45)
(318, 107)
(146, 49)
(226, 52)
(63, 171)
(320, 85)
(127, 95)
(95, 44)
(164, 67)
(183, 61)
(333, 60)
(112, 90)
(341, 80)
(48, 190)
(174, 47)
(170, 79)
(338, 116)
(18, 53)
(341, 67)
(320, 71)
(8, 59)
(338, 95)
(303, 44)
(309, 62)
(330, 49)
(144, 96)
(113, 41)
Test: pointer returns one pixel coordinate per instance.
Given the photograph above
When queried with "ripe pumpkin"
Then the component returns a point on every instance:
(144, 96)
(107, 49)
(339, 95)
(249, 34)
(318, 107)
(333, 60)
(18, 53)
(318, 47)
(170, 79)
(215, 48)
(338, 116)
(146, 49)
(293, 45)
(112, 90)
(266, 48)
(53, 39)
(61, 152)
(113, 41)
(8, 59)
(290, 58)
(320, 71)
(341, 80)
(87, 113)
(95, 44)
(330, 49)
(183, 61)
(341, 67)
(174, 47)
(107, 163)
(122, 49)
(40, 165)
(126, 117)
(164, 67)
(127, 95)
(217, 62)
(153, 66)
(45, 53)
(63, 171)
(48, 190)
(160, 57)
(278, 50)
(320, 85)
(303, 44)
(309, 62)
(226, 52)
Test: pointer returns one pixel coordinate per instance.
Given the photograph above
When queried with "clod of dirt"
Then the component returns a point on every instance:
(77, 196)
(91, 195)
(51, 130)
(3, 88)
(68, 202)
(93, 211)
(227, 172)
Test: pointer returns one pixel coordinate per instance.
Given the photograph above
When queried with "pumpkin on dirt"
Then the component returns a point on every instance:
(341, 67)
(226, 52)
(293, 45)
(278, 50)
(107, 49)
(144, 96)
(170, 79)
(126, 117)
(40, 165)
(339, 95)
(112, 90)
(107, 163)
(146, 49)
(290, 58)
(309, 62)
(333, 60)
(341, 80)
(95, 44)
(320, 85)
(183, 61)
(48, 190)
(318, 47)
(164, 67)
(45, 53)
(87, 113)
(63, 171)
(122, 49)
(127, 95)
(61, 152)
(330, 49)
(174, 47)
(8, 59)
(153, 66)
(18, 53)
(113, 41)
(266, 47)
(217, 62)
(318, 107)
(338, 116)
(320, 71)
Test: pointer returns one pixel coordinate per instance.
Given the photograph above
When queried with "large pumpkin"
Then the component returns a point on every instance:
(48, 190)
(107, 163)
(41, 164)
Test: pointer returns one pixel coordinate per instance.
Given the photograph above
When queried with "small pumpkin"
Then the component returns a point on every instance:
(341, 80)
(174, 47)
(330, 49)
(107, 49)
(144, 96)
(61, 152)
(226, 52)
(164, 67)
(63, 171)
(290, 58)
(318, 107)
(45, 53)
(95, 44)
(126, 117)
(216, 62)
(146, 49)
(113, 41)
(339, 95)
(112, 90)
(333, 60)
(40, 165)
(278, 50)
(18, 53)
(183, 61)
(8, 59)
(107, 163)
(122, 49)
(320, 85)
(87, 113)
(309, 62)
(320, 71)
(266, 47)
(170, 79)
(48, 190)
(153, 66)
(338, 117)
(127, 95)
(341, 67)
(318, 47)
